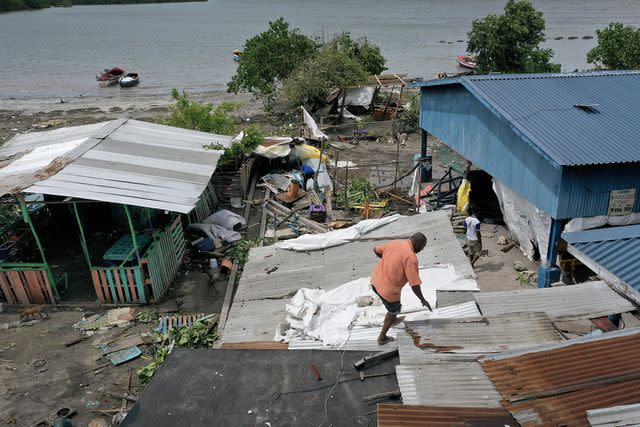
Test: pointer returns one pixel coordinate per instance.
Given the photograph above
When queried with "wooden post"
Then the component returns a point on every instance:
(83, 241)
(346, 187)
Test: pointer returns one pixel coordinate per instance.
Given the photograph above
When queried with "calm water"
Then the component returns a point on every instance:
(56, 52)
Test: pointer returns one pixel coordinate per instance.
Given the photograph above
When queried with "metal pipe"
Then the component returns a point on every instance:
(83, 241)
(133, 232)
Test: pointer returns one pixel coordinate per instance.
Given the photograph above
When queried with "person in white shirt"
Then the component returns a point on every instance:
(474, 238)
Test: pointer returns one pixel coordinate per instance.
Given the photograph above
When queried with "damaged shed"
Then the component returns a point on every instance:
(123, 182)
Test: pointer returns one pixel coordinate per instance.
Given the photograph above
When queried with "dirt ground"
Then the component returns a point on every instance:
(74, 376)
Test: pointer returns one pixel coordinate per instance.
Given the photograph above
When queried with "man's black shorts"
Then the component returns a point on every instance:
(392, 307)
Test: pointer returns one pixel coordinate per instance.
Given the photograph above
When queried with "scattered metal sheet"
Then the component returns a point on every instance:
(259, 302)
(123, 356)
(122, 161)
(277, 180)
(489, 334)
(557, 385)
(447, 384)
(585, 300)
(448, 298)
(412, 355)
(622, 415)
(390, 415)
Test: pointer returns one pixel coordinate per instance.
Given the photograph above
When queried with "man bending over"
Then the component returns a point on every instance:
(398, 265)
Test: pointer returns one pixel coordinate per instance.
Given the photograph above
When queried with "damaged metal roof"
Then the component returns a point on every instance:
(622, 415)
(558, 384)
(259, 303)
(390, 415)
(122, 161)
(585, 300)
(447, 384)
(488, 334)
(613, 253)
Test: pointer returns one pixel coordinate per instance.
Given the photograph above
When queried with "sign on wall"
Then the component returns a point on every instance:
(621, 201)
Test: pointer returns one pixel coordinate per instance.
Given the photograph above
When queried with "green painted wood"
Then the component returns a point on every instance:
(137, 274)
(112, 286)
(124, 282)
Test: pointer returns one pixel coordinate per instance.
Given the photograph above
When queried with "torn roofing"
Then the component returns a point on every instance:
(122, 161)
(542, 107)
(584, 300)
(489, 334)
(556, 386)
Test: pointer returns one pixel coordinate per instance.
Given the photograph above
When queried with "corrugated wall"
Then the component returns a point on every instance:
(585, 190)
(462, 122)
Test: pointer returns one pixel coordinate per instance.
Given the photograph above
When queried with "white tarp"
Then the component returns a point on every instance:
(311, 130)
(527, 224)
(215, 231)
(329, 316)
(359, 96)
(227, 219)
(274, 147)
(313, 242)
(579, 224)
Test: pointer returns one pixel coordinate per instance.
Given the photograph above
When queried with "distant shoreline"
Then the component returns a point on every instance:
(22, 5)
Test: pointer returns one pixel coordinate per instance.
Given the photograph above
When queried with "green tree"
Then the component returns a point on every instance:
(251, 138)
(270, 57)
(618, 48)
(189, 114)
(312, 81)
(366, 53)
(509, 43)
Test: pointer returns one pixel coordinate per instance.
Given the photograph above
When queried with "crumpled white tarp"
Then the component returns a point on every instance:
(328, 316)
(579, 224)
(227, 219)
(215, 231)
(274, 147)
(359, 96)
(313, 242)
(528, 224)
(311, 130)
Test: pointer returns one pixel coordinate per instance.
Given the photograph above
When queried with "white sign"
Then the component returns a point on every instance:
(621, 201)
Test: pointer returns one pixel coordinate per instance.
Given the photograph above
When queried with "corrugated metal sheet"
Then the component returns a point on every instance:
(447, 384)
(541, 106)
(489, 334)
(438, 416)
(585, 300)
(412, 355)
(449, 298)
(365, 338)
(123, 161)
(616, 416)
(615, 250)
(260, 299)
(557, 386)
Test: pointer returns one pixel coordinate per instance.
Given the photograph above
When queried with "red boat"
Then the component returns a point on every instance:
(467, 62)
(109, 77)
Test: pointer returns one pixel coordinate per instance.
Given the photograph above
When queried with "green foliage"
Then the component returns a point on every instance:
(240, 251)
(365, 53)
(509, 43)
(269, 57)
(360, 189)
(10, 5)
(252, 137)
(316, 77)
(9, 214)
(189, 114)
(202, 334)
(618, 48)
(411, 116)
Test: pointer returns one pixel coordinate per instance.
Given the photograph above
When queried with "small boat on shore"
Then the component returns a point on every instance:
(129, 79)
(467, 62)
(237, 55)
(109, 77)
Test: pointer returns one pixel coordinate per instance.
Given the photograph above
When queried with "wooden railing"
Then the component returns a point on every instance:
(163, 258)
(119, 284)
(24, 283)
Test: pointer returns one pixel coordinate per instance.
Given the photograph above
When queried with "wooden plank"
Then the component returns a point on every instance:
(105, 285)
(116, 278)
(132, 287)
(42, 286)
(112, 286)
(124, 283)
(31, 277)
(139, 284)
(26, 286)
(228, 297)
(6, 289)
(18, 287)
(48, 288)
(96, 285)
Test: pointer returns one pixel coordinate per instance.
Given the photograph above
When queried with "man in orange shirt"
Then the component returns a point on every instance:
(398, 265)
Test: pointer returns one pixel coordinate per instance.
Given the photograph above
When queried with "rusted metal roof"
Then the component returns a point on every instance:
(436, 416)
(557, 386)
(254, 345)
(489, 334)
(622, 415)
(585, 300)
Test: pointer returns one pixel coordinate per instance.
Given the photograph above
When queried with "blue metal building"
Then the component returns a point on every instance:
(568, 143)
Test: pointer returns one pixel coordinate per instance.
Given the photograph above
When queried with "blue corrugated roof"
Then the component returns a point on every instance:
(616, 249)
(542, 108)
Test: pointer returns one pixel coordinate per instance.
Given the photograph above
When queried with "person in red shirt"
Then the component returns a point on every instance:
(398, 266)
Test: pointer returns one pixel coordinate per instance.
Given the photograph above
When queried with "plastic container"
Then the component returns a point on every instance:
(213, 263)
